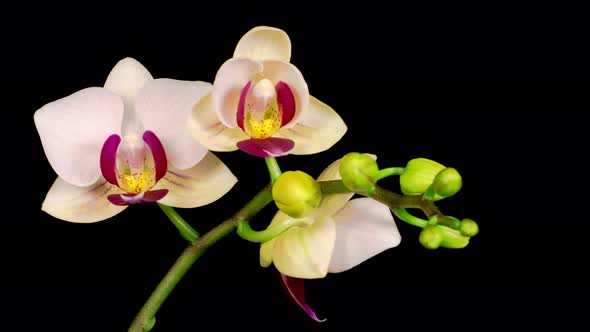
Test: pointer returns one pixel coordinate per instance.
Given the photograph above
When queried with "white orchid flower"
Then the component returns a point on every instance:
(260, 103)
(127, 143)
(341, 234)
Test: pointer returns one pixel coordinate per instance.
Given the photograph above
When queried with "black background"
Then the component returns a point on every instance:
(479, 89)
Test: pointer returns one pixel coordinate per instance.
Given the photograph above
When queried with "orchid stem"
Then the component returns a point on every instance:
(191, 254)
(410, 219)
(247, 233)
(273, 168)
(185, 230)
(383, 173)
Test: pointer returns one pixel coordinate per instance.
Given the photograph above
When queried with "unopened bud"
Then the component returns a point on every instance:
(296, 193)
(359, 172)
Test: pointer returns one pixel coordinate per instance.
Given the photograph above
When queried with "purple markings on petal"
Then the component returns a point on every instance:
(145, 197)
(286, 101)
(154, 195)
(242, 105)
(268, 147)
(296, 290)
(108, 158)
(158, 153)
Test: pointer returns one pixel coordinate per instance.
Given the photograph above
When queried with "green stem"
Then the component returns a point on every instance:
(187, 232)
(273, 168)
(190, 255)
(247, 233)
(410, 219)
(383, 173)
(396, 201)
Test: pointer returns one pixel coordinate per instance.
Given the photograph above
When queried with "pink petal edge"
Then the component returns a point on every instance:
(268, 147)
(296, 290)
(108, 158)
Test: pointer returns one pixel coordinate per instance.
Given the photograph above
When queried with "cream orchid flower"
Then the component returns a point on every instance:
(260, 103)
(341, 234)
(127, 143)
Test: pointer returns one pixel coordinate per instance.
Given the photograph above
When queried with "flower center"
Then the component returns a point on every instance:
(135, 165)
(262, 115)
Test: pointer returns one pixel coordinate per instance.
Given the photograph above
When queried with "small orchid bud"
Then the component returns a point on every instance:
(446, 183)
(359, 172)
(431, 237)
(452, 238)
(296, 194)
(469, 228)
(418, 175)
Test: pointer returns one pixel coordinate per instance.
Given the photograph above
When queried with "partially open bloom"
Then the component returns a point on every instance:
(127, 143)
(339, 235)
(260, 103)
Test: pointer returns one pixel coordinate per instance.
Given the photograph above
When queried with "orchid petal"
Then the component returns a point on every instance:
(332, 203)
(268, 147)
(231, 78)
(264, 43)
(266, 248)
(108, 158)
(81, 204)
(305, 252)
(295, 289)
(364, 228)
(149, 196)
(318, 129)
(208, 130)
(163, 106)
(73, 130)
(127, 77)
(279, 71)
(202, 184)
(286, 101)
(158, 153)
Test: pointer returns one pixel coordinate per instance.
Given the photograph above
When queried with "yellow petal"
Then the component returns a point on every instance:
(305, 252)
(202, 184)
(207, 129)
(264, 43)
(317, 129)
(81, 204)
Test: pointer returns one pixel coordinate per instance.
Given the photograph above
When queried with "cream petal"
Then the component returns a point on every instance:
(73, 130)
(81, 204)
(266, 248)
(231, 78)
(364, 228)
(202, 184)
(278, 71)
(163, 106)
(264, 43)
(127, 77)
(305, 252)
(318, 129)
(208, 130)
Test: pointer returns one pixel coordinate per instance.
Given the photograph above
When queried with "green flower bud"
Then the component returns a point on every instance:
(431, 237)
(469, 228)
(419, 175)
(359, 172)
(446, 183)
(296, 193)
(452, 238)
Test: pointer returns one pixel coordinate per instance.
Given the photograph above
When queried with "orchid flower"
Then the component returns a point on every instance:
(260, 103)
(127, 143)
(338, 236)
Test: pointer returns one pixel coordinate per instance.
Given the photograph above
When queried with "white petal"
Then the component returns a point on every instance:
(207, 129)
(163, 106)
(231, 78)
(81, 204)
(305, 252)
(264, 43)
(73, 130)
(202, 184)
(127, 77)
(277, 71)
(364, 228)
(318, 129)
